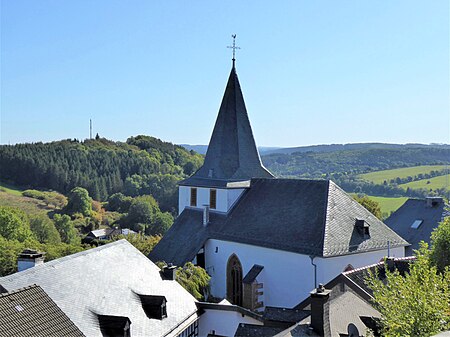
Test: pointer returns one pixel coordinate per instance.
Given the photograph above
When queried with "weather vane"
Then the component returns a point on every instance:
(234, 48)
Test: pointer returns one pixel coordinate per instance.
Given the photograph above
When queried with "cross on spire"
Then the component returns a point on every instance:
(234, 48)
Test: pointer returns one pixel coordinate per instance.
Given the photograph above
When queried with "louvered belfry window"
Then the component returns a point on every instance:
(212, 198)
(193, 197)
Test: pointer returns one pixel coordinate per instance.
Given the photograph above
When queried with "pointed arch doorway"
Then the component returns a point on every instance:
(234, 280)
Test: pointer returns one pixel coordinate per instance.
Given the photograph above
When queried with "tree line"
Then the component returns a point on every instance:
(101, 166)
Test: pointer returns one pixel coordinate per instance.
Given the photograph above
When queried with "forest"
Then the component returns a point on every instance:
(140, 166)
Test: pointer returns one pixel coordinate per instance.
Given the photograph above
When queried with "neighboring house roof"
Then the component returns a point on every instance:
(98, 233)
(311, 217)
(253, 330)
(354, 279)
(109, 280)
(232, 154)
(417, 209)
(29, 311)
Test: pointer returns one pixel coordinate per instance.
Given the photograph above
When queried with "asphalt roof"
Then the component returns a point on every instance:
(416, 209)
(311, 217)
(107, 281)
(29, 311)
(232, 153)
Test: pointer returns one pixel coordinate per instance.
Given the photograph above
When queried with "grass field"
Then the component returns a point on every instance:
(10, 189)
(432, 183)
(389, 205)
(379, 177)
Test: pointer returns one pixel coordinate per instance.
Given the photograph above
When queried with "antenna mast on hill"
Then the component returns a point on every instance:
(90, 128)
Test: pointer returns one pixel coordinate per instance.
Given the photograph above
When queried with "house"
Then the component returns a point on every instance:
(107, 233)
(266, 241)
(112, 288)
(29, 311)
(416, 218)
(109, 290)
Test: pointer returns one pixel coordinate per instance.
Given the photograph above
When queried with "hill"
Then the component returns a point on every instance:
(432, 184)
(142, 165)
(380, 177)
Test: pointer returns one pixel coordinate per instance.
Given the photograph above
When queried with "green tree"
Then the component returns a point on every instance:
(161, 223)
(119, 203)
(371, 205)
(79, 202)
(142, 210)
(14, 224)
(416, 304)
(66, 229)
(44, 229)
(440, 245)
(194, 279)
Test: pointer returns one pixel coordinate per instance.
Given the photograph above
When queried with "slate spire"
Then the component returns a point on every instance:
(232, 153)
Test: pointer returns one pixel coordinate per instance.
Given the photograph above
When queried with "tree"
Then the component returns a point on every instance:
(66, 229)
(371, 205)
(194, 279)
(440, 245)
(79, 202)
(161, 223)
(416, 304)
(142, 210)
(119, 203)
(14, 224)
(44, 229)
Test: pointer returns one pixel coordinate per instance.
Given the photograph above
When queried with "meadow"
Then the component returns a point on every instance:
(429, 184)
(379, 177)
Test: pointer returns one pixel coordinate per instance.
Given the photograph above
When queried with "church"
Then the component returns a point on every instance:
(266, 241)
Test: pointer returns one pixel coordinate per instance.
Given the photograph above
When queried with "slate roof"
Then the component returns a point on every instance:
(232, 154)
(253, 330)
(30, 311)
(107, 281)
(416, 209)
(284, 315)
(311, 217)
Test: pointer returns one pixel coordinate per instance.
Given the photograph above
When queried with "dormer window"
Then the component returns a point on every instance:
(114, 325)
(363, 228)
(154, 306)
(193, 197)
(212, 198)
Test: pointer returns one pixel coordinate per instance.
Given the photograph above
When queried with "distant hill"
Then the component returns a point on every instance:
(203, 148)
(141, 165)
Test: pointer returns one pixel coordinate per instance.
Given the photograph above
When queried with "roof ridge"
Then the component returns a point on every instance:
(18, 290)
(68, 257)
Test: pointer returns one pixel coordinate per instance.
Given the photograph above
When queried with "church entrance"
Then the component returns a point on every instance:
(234, 280)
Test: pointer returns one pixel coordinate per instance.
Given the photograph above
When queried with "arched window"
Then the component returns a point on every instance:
(234, 280)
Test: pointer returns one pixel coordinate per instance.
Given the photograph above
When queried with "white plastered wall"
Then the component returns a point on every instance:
(287, 277)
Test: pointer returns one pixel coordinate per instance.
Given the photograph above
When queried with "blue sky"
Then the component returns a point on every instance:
(312, 72)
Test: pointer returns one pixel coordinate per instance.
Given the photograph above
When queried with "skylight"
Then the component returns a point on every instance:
(416, 224)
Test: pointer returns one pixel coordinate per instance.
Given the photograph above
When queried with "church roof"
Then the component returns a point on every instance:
(232, 154)
(310, 217)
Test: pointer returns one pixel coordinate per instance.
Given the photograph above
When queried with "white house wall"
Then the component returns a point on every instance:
(223, 323)
(329, 268)
(225, 198)
(287, 277)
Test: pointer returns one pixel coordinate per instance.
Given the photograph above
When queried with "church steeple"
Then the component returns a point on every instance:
(232, 153)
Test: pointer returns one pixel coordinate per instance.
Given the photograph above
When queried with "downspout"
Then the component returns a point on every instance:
(315, 270)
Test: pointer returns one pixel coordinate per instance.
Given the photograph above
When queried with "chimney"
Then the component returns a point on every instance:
(390, 263)
(320, 310)
(169, 272)
(205, 215)
(29, 258)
